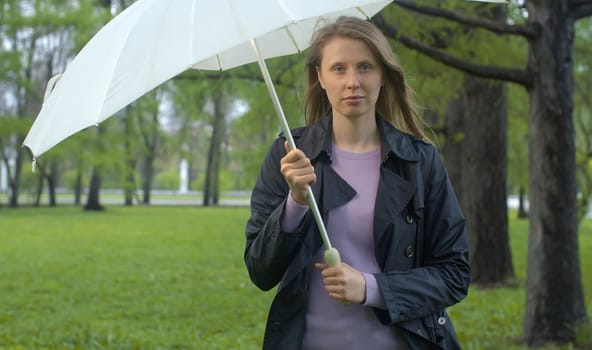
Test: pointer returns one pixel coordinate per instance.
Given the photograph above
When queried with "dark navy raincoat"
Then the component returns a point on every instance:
(419, 233)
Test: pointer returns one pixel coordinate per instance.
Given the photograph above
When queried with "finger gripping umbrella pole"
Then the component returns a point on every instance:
(331, 254)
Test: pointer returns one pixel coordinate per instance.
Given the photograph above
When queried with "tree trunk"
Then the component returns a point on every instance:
(211, 185)
(93, 200)
(40, 186)
(150, 135)
(554, 295)
(14, 182)
(51, 184)
(484, 181)
(49, 176)
(78, 187)
(522, 212)
(216, 181)
(148, 178)
(129, 182)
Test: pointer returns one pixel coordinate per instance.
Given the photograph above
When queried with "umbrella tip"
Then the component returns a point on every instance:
(50, 85)
(34, 159)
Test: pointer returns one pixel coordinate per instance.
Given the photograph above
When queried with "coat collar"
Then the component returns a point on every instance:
(317, 139)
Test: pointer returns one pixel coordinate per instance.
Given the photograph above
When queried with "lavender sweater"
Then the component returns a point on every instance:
(331, 324)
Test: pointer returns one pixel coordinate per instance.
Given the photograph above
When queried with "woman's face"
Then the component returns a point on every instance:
(351, 76)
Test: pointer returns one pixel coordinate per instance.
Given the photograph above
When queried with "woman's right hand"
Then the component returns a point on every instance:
(298, 172)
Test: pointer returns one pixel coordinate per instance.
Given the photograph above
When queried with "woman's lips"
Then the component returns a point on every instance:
(353, 99)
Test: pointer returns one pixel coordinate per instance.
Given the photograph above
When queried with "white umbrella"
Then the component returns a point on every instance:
(154, 40)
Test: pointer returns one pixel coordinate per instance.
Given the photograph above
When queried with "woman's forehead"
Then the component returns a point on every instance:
(341, 48)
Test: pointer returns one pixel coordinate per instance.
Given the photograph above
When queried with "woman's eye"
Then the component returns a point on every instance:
(339, 68)
(365, 67)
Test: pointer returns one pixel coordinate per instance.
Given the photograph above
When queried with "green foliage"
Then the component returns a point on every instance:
(584, 336)
(227, 181)
(89, 19)
(435, 83)
(167, 180)
(173, 277)
(11, 125)
(517, 139)
(583, 112)
(69, 179)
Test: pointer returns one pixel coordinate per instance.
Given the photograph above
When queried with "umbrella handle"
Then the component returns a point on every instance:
(331, 254)
(332, 257)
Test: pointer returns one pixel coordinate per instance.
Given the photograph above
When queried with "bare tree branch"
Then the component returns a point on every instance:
(581, 8)
(529, 30)
(518, 76)
(573, 3)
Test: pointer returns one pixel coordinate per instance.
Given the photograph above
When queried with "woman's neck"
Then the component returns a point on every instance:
(357, 135)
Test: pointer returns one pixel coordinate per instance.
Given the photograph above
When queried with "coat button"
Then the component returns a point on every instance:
(410, 251)
(441, 321)
(409, 219)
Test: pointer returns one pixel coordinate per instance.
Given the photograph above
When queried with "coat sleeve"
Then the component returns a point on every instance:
(269, 250)
(443, 275)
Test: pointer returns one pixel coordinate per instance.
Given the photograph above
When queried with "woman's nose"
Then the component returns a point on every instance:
(353, 80)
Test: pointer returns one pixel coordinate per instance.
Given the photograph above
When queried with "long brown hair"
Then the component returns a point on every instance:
(395, 103)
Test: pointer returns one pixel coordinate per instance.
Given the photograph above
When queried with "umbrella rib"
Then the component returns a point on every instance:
(219, 61)
(292, 39)
(362, 12)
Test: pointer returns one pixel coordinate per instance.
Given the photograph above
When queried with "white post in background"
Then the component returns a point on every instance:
(3, 178)
(184, 176)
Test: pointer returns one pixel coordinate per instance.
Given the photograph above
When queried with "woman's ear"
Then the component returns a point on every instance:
(319, 78)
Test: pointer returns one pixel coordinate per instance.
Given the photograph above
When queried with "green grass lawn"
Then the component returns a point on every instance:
(174, 278)
(127, 278)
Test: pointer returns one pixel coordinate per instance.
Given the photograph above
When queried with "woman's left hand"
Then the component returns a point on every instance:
(343, 283)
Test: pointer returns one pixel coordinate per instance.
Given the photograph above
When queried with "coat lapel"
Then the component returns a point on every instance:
(394, 194)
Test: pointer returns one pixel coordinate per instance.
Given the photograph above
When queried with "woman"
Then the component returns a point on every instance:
(386, 201)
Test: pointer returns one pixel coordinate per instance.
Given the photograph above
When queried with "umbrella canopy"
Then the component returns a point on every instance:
(152, 41)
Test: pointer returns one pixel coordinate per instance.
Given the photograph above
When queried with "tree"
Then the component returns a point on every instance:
(129, 161)
(220, 109)
(20, 35)
(38, 38)
(47, 173)
(147, 112)
(484, 181)
(484, 164)
(93, 199)
(251, 133)
(554, 293)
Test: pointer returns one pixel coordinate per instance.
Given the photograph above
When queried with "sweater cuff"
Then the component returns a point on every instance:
(374, 297)
(293, 214)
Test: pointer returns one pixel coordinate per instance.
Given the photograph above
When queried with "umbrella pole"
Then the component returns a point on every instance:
(331, 254)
